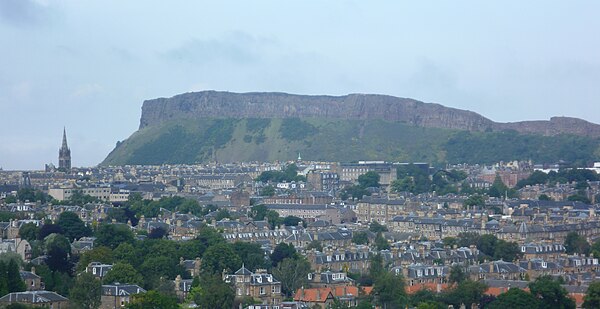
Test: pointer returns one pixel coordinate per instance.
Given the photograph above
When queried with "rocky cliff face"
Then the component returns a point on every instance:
(214, 104)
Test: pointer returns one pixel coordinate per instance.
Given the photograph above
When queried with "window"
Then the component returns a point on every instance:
(262, 290)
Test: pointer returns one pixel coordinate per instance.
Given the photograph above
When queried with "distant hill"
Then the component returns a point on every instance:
(208, 126)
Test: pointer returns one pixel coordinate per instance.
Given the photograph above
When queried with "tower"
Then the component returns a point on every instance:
(64, 154)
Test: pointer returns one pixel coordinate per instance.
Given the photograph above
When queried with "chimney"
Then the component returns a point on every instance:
(529, 265)
(318, 294)
(33, 270)
(302, 293)
(491, 267)
(177, 282)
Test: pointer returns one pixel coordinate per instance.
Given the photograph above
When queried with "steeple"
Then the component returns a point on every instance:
(64, 154)
(64, 141)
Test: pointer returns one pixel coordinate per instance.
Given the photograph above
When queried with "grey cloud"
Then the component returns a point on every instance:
(236, 48)
(23, 13)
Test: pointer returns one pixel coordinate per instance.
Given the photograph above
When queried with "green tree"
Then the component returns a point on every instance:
(544, 197)
(213, 292)
(252, 255)
(315, 244)
(506, 250)
(292, 221)
(550, 293)
(376, 268)
(450, 241)
(375, 227)
(515, 298)
(14, 281)
(389, 291)
(112, 235)
(283, 251)
(29, 231)
(219, 257)
(86, 292)
(369, 179)
(267, 191)
(467, 292)
(259, 212)
(152, 300)
(574, 243)
(360, 238)
(381, 243)
(58, 249)
(273, 219)
(123, 273)
(592, 296)
(292, 273)
(3, 278)
(475, 200)
(467, 239)
(457, 274)
(498, 188)
(487, 244)
(73, 228)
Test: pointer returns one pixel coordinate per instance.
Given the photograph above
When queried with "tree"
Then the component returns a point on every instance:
(389, 291)
(315, 244)
(376, 268)
(219, 257)
(3, 278)
(475, 200)
(544, 197)
(381, 243)
(158, 233)
(58, 249)
(98, 254)
(466, 239)
(258, 212)
(14, 282)
(252, 255)
(506, 250)
(574, 243)
(487, 244)
(49, 228)
(123, 273)
(152, 300)
(592, 296)
(273, 218)
(550, 293)
(283, 251)
(73, 228)
(213, 292)
(369, 179)
(375, 227)
(112, 235)
(86, 292)
(292, 273)
(267, 191)
(29, 231)
(515, 298)
(467, 292)
(457, 274)
(292, 221)
(360, 238)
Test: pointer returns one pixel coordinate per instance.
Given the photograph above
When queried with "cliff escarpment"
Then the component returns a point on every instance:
(215, 104)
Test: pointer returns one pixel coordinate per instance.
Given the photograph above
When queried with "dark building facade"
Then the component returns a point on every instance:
(64, 154)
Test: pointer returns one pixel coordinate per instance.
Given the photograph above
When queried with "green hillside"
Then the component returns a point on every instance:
(231, 140)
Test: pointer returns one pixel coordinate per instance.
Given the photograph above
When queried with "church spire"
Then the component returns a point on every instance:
(64, 154)
(64, 141)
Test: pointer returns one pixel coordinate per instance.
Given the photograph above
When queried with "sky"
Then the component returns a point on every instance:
(89, 65)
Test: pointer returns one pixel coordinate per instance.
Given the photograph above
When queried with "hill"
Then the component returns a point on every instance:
(209, 126)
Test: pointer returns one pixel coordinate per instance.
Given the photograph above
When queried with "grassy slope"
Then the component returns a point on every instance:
(337, 140)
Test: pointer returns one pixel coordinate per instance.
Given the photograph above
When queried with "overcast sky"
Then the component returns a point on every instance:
(88, 65)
